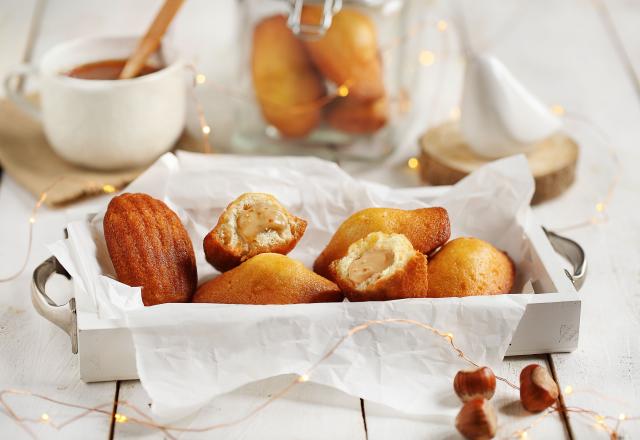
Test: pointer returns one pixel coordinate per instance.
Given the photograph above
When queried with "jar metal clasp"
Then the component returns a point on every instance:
(312, 31)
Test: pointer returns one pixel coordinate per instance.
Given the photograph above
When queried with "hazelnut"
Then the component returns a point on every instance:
(475, 382)
(477, 419)
(538, 390)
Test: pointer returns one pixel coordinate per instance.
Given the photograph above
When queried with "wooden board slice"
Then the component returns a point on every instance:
(445, 158)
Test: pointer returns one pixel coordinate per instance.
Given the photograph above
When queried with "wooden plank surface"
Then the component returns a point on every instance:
(596, 81)
(34, 354)
(622, 17)
(565, 53)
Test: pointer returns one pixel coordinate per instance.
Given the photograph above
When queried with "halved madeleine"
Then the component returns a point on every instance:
(426, 228)
(252, 224)
(381, 267)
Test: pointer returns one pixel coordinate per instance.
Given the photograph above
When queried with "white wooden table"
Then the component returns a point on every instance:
(582, 54)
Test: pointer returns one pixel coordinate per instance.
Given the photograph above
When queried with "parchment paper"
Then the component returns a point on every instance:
(188, 353)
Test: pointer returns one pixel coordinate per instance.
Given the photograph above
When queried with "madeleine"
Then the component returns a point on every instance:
(268, 279)
(254, 223)
(470, 266)
(288, 87)
(426, 229)
(381, 267)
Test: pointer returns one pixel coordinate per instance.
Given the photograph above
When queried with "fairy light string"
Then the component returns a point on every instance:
(142, 419)
(425, 58)
(94, 188)
(428, 58)
(205, 128)
(32, 220)
(601, 206)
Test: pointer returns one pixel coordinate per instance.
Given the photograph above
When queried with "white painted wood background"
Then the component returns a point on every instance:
(582, 54)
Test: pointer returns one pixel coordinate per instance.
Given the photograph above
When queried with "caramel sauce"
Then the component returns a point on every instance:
(107, 69)
(370, 263)
(258, 218)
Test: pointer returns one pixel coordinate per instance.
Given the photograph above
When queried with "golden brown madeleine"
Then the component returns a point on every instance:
(287, 84)
(268, 279)
(352, 115)
(348, 52)
(381, 267)
(426, 229)
(470, 266)
(254, 223)
(150, 248)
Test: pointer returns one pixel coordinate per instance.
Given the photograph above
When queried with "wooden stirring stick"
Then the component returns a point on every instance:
(150, 42)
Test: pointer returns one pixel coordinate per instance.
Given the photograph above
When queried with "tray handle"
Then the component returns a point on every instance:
(573, 252)
(62, 315)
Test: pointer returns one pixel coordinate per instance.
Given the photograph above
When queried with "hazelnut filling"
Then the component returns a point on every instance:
(369, 263)
(259, 218)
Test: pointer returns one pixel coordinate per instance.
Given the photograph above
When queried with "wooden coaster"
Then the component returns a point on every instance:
(445, 158)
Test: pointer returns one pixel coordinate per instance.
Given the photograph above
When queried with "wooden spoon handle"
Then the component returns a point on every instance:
(150, 42)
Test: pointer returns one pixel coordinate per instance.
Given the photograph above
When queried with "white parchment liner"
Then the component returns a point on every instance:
(188, 353)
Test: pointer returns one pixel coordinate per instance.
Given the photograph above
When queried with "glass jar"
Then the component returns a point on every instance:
(325, 78)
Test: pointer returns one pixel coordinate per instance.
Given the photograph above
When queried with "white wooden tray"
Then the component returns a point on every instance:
(550, 324)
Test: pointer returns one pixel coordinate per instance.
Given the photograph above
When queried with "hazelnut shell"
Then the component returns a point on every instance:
(538, 390)
(477, 420)
(475, 382)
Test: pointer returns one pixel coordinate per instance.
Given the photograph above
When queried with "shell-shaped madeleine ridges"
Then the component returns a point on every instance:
(149, 247)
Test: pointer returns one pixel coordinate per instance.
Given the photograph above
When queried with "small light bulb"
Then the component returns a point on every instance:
(426, 58)
(558, 109)
(120, 418)
(449, 335)
(303, 378)
(600, 207)
(206, 129)
(200, 78)
(455, 113)
(413, 163)
(44, 417)
(343, 91)
(568, 389)
(442, 25)
(32, 220)
(108, 189)
(622, 416)
(524, 435)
